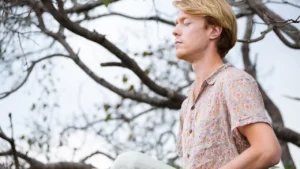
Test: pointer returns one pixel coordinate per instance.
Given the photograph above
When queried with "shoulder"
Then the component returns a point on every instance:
(234, 75)
(236, 81)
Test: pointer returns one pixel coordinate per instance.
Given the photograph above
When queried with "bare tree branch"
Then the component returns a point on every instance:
(242, 14)
(263, 34)
(13, 146)
(151, 18)
(28, 159)
(4, 137)
(7, 93)
(245, 48)
(278, 120)
(100, 39)
(87, 7)
(126, 94)
(109, 64)
(141, 97)
(287, 135)
(96, 153)
(284, 2)
(142, 113)
(29, 71)
(90, 124)
(293, 98)
(270, 17)
(285, 41)
(35, 164)
(13, 58)
(269, 105)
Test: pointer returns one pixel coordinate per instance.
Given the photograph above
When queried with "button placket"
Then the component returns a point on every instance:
(193, 107)
(192, 113)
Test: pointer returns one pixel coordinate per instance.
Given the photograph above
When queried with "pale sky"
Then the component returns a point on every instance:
(277, 66)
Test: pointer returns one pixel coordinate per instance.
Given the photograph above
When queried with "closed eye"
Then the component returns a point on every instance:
(186, 22)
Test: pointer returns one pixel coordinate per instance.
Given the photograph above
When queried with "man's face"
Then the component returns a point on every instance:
(191, 36)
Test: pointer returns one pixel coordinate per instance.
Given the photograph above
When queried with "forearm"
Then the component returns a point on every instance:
(249, 159)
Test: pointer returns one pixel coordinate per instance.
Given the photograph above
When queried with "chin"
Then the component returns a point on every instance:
(181, 56)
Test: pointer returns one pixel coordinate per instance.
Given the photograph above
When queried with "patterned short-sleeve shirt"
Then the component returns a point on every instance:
(208, 137)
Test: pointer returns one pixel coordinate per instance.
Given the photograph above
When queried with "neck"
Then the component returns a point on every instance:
(206, 66)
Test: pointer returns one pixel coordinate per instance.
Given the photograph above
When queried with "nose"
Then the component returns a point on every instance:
(176, 31)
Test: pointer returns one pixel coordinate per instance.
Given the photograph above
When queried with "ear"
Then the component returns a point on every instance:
(215, 32)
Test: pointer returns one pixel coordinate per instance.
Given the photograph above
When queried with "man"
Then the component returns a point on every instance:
(223, 124)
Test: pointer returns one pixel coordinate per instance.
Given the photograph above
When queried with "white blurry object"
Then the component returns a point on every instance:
(137, 160)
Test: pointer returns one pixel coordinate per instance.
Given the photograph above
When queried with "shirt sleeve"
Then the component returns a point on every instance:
(244, 102)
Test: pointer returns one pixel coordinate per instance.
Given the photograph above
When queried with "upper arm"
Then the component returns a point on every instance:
(244, 102)
(247, 113)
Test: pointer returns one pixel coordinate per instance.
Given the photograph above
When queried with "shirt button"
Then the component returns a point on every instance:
(193, 107)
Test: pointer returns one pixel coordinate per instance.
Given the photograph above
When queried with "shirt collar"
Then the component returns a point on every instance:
(213, 77)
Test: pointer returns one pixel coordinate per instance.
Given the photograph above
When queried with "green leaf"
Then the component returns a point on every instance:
(33, 107)
(130, 137)
(125, 79)
(108, 117)
(106, 2)
(131, 88)
(147, 54)
(22, 137)
(174, 165)
(106, 107)
(30, 142)
(147, 71)
(288, 166)
(118, 106)
(171, 63)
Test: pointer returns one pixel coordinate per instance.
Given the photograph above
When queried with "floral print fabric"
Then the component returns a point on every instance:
(208, 137)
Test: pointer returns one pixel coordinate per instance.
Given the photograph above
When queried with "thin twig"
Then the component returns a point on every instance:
(284, 2)
(96, 153)
(293, 98)
(29, 71)
(26, 64)
(13, 146)
(109, 64)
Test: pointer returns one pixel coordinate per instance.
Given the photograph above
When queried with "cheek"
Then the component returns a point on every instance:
(194, 35)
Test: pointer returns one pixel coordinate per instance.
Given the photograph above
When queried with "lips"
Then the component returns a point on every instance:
(178, 43)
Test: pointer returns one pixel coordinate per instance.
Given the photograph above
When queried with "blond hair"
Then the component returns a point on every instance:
(216, 12)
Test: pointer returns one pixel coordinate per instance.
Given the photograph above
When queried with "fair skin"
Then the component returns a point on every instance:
(196, 44)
